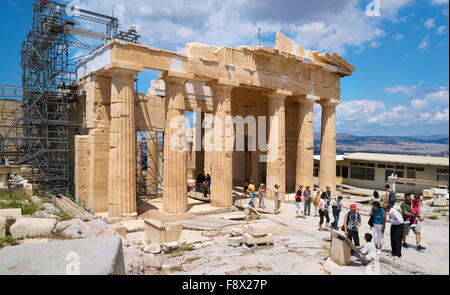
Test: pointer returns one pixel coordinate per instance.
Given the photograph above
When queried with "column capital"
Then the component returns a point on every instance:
(122, 68)
(307, 99)
(222, 83)
(278, 94)
(176, 77)
(329, 102)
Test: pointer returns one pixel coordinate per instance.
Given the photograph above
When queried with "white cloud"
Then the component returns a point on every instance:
(425, 43)
(399, 37)
(333, 25)
(429, 23)
(441, 30)
(408, 90)
(366, 114)
(437, 2)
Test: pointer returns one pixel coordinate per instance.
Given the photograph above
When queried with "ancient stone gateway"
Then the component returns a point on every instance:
(284, 82)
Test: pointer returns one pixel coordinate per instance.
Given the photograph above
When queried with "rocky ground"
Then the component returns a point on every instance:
(299, 248)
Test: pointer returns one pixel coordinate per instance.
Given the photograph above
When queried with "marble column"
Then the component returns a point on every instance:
(122, 144)
(327, 175)
(153, 160)
(222, 156)
(276, 160)
(175, 149)
(305, 144)
(199, 153)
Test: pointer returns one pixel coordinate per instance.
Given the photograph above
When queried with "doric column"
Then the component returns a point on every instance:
(276, 157)
(207, 153)
(81, 171)
(175, 150)
(122, 144)
(222, 156)
(98, 102)
(199, 153)
(327, 173)
(305, 144)
(153, 160)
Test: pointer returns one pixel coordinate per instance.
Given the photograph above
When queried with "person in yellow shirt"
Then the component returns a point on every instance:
(251, 191)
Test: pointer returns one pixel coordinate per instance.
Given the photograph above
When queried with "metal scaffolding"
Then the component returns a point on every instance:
(41, 134)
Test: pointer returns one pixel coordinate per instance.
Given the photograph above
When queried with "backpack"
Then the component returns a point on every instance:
(358, 216)
(316, 200)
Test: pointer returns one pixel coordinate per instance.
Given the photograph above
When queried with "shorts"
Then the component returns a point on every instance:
(407, 227)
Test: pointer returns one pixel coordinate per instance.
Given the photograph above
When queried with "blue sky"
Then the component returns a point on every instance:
(400, 86)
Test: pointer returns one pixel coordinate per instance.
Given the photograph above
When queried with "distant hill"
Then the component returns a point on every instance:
(433, 145)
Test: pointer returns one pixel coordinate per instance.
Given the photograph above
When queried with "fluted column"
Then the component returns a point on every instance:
(276, 159)
(305, 143)
(152, 163)
(222, 156)
(327, 175)
(175, 151)
(122, 144)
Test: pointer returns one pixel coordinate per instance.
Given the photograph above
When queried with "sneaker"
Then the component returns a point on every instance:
(405, 245)
(378, 252)
(396, 258)
(413, 225)
(420, 248)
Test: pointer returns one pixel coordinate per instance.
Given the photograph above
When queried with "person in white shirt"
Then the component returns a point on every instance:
(396, 221)
(369, 250)
(324, 206)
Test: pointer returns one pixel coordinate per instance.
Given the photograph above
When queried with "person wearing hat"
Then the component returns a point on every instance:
(299, 201)
(276, 192)
(262, 195)
(352, 222)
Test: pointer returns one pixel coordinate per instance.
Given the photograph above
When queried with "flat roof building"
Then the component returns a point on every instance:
(374, 171)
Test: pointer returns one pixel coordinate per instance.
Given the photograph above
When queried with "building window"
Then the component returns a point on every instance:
(316, 172)
(411, 174)
(411, 184)
(381, 165)
(354, 163)
(387, 174)
(411, 168)
(390, 166)
(400, 174)
(370, 165)
(400, 167)
(362, 173)
(420, 169)
(338, 171)
(344, 172)
(442, 174)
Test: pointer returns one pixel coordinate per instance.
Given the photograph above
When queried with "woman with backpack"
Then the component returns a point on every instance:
(299, 201)
(317, 194)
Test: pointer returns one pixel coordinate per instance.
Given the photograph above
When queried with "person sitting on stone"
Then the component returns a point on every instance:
(368, 252)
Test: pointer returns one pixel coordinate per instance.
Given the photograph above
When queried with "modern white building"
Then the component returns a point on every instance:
(374, 171)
